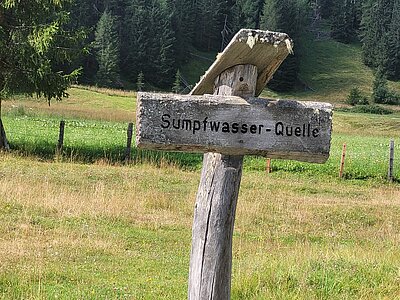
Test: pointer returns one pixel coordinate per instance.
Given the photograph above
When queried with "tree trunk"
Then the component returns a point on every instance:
(214, 216)
(3, 138)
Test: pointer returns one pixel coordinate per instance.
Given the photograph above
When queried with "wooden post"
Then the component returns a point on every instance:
(60, 138)
(342, 161)
(3, 138)
(268, 165)
(391, 160)
(129, 133)
(214, 216)
(227, 125)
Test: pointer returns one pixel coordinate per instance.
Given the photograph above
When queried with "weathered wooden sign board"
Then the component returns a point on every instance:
(227, 125)
(235, 126)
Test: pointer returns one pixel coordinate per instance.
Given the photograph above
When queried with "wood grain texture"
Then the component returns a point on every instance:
(214, 215)
(128, 148)
(211, 255)
(60, 142)
(235, 126)
(264, 49)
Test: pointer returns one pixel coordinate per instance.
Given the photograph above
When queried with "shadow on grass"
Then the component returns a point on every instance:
(112, 155)
(115, 155)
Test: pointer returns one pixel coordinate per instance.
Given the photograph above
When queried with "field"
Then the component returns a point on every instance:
(95, 134)
(100, 231)
(86, 226)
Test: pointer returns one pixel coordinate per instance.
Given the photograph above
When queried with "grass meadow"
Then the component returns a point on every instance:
(87, 226)
(93, 133)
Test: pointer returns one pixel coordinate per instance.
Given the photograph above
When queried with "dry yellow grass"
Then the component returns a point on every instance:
(71, 190)
(133, 191)
(83, 102)
(107, 91)
(53, 215)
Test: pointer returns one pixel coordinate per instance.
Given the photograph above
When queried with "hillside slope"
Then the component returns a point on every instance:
(328, 71)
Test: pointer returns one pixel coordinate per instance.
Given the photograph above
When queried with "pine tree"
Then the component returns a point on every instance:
(252, 11)
(209, 20)
(326, 8)
(106, 45)
(285, 16)
(166, 63)
(140, 82)
(346, 18)
(393, 62)
(136, 42)
(84, 16)
(148, 43)
(34, 44)
(177, 87)
(116, 8)
(375, 32)
(181, 14)
(381, 92)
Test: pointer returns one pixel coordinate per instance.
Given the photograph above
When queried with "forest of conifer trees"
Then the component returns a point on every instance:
(123, 39)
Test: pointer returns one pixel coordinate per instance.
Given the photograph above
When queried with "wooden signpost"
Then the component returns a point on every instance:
(227, 125)
(234, 126)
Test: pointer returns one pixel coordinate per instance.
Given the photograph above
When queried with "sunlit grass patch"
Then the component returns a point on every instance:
(94, 231)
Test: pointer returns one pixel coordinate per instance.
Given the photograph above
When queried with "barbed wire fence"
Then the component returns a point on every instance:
(91, 141)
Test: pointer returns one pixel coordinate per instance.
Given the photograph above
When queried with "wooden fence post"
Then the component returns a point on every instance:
(342, 161)
(60, 142)
(129, 133)
(3, 138)
(391, 160)
(268, 166)
(214, 216)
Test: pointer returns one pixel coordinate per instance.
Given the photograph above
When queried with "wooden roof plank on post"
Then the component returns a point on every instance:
(264, 49)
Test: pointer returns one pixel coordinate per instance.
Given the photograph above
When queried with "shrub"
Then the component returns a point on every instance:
(356, 98)
(368, 109)
(381, 93)
(18, 111)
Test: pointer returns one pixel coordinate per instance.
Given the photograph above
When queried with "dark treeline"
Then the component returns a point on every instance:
(152, 39)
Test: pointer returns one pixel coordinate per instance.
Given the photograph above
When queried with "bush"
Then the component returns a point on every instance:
(356, 98)
(381, 93)
(368, 109)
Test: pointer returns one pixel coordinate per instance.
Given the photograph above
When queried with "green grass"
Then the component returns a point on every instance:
(116, 268)
(84, 139)
(367, 138)
(366, 157)
(198, 64)
(331, 69)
